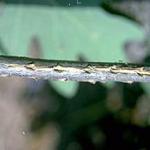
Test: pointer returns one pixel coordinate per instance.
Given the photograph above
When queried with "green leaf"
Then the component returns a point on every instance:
(67, 89)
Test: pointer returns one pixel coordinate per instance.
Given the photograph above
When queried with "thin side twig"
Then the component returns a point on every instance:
(72, 70)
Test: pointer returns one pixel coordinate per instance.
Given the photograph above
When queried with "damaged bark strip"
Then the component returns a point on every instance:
(72, 70)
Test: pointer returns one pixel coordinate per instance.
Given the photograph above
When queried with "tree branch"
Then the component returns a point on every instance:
(71, 70)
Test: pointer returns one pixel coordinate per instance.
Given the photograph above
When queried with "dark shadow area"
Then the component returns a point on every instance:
(110, 133)
(124, 136)
(63, 3)
(130, 93)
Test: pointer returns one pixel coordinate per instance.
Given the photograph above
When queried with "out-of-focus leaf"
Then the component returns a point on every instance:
(66, 33)
(67, 89)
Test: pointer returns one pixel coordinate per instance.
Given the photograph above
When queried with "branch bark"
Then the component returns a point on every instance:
(72, 70)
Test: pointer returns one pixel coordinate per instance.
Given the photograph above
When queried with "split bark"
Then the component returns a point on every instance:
(73, 70)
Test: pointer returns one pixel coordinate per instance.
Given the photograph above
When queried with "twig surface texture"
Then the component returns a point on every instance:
(72, 70)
